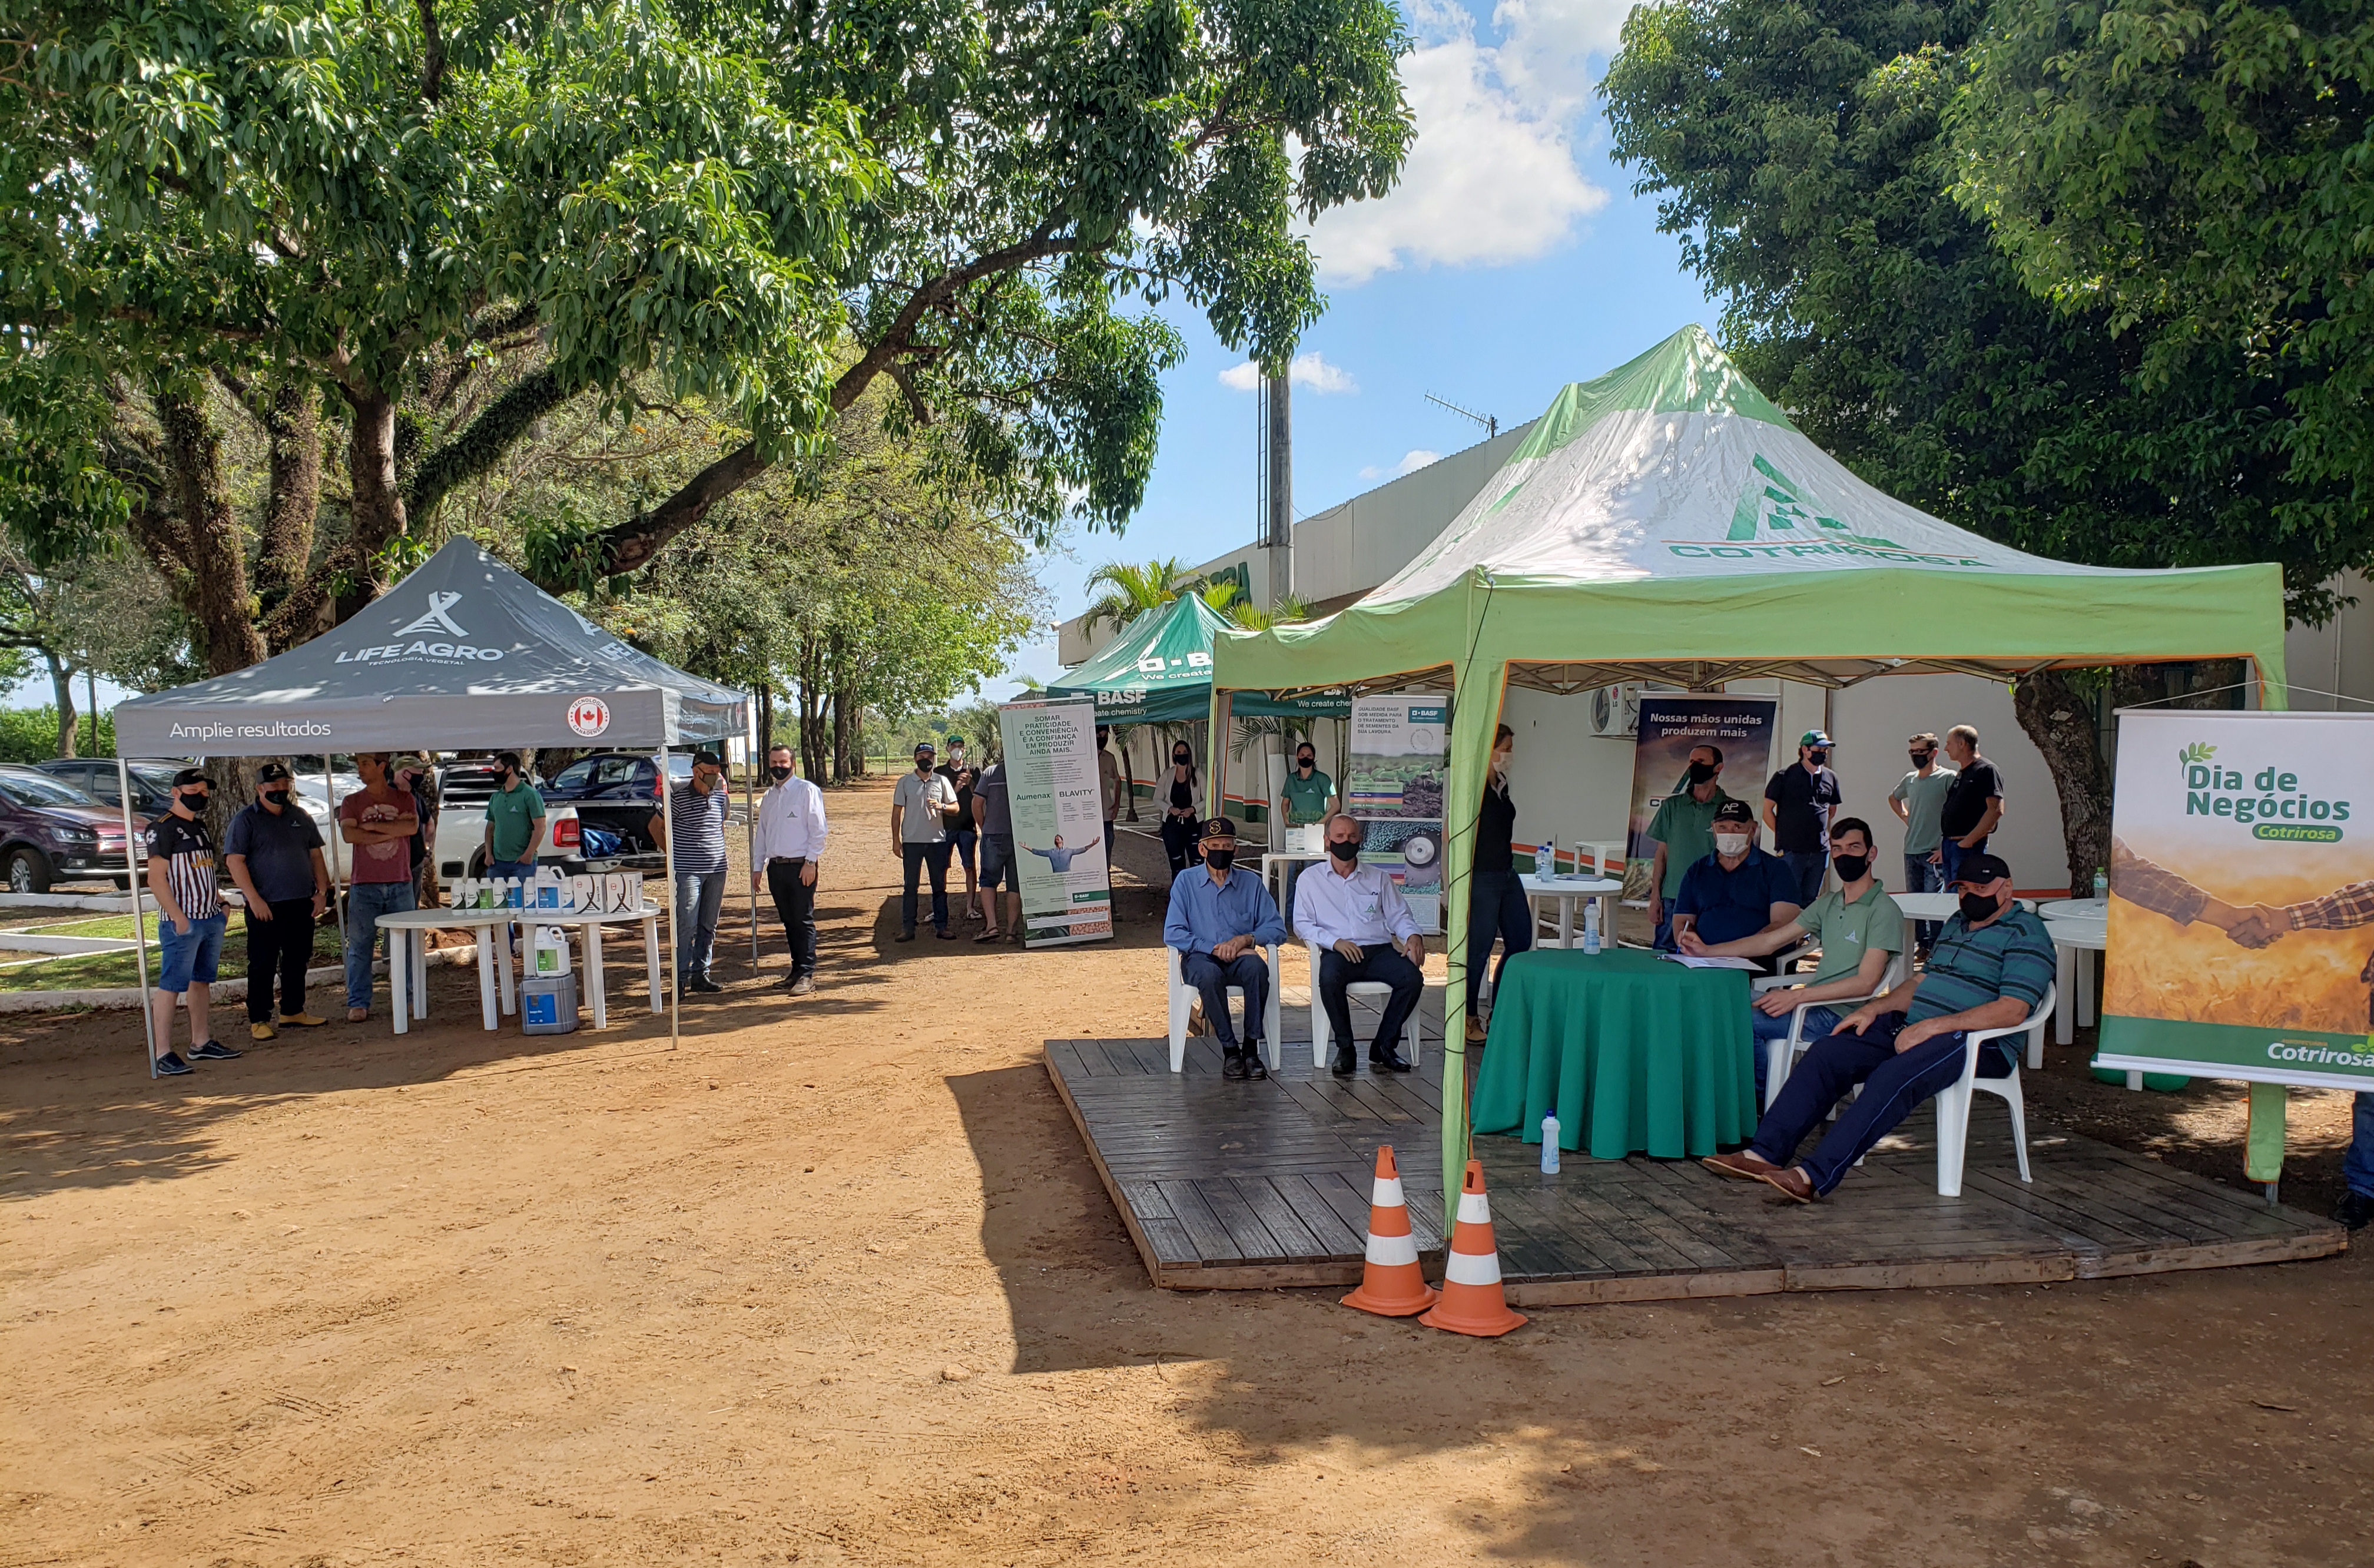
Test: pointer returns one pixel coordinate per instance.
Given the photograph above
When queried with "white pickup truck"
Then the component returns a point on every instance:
(462, 796)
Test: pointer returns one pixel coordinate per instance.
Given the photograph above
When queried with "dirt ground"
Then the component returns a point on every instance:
(835, 1283)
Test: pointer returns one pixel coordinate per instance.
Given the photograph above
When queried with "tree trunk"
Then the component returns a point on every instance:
(376, 510)
(2060, 720)
(61, 683)
(766, 726)
(815, 742)
(292, 500)
(1128, 777)
(213, 585)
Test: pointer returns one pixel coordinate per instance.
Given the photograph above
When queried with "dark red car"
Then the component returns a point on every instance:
(51, 832)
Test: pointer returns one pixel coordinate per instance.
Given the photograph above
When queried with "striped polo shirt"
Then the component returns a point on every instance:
(188, 853)
(697, 823)
(2011, 956)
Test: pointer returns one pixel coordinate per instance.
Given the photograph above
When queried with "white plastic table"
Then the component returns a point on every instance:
(2073, 940)
(1273, 868)
(407, 960)
(1917, 907)
(590, 946)
(1566, 890)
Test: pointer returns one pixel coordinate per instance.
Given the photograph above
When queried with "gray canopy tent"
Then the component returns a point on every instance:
(463, 655)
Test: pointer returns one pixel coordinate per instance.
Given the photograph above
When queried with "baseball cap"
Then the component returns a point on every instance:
(191, 776)
(1733, 811)
(1219, 828)
(708, 760)
(924, 747)
(1813, 737)
(269, 773)
(1977, 870)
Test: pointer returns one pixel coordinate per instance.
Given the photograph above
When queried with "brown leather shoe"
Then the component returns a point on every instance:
(1744, 1164)
(1793, 1183)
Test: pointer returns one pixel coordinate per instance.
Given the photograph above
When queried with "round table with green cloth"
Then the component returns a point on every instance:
(1633, 1054)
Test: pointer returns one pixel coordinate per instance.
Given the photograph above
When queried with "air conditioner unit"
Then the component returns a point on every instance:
(1615, 710)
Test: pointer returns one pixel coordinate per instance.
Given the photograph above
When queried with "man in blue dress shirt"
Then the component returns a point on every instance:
(1221, 917)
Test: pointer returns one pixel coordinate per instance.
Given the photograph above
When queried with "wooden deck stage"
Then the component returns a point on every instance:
(1252, 1185)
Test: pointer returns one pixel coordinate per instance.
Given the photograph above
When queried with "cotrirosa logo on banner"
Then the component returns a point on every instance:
(1673, 724)
(1056, 800)
(2241, 933)
(1400, 757)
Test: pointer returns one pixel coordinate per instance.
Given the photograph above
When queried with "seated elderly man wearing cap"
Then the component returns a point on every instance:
(1738, 892)
(1366, 932)
(1221, 916)
(1991, 967)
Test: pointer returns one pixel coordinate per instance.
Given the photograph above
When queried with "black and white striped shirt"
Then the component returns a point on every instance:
(189, 854)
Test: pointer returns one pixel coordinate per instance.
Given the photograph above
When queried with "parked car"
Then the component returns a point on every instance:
(460, 841)
(51, 832)
(612, 791)
(152, 781)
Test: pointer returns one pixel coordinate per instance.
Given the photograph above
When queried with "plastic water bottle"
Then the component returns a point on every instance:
(1591, 927)
(2101, 883)
(1549, 1145)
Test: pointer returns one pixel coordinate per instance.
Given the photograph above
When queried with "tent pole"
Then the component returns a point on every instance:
(132, 886)
(330, 793)
(676, 914)
(750, 820)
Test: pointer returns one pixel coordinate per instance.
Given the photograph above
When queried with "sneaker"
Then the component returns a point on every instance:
(787, 982)
(215, 1051)
(170, 1064)
(702, 984)
(2354, 1210)
(262, 1032)
(302, 1020)
(804, 986)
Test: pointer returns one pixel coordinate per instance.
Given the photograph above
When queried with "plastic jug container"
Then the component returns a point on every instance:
(550, 954)
(548, 1004)
(1549, 1145)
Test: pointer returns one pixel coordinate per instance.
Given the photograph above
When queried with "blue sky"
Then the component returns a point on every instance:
(1511, 259)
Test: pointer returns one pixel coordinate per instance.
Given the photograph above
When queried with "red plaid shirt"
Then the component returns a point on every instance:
(2337, 910)
(2155, 886)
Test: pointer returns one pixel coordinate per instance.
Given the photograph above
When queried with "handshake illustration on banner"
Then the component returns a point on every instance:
(2156, 887)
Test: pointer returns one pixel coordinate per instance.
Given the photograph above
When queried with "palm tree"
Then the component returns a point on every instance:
(1252, 617)
(1132, 588)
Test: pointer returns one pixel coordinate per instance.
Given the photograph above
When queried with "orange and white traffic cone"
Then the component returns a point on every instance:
(1472, 1300)
(1390, 1285)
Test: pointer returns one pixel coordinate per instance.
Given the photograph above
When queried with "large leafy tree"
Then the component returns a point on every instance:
(2203, 175)
(1799, 152)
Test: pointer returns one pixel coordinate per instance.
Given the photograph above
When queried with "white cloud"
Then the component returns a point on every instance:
(1308, 370)
(1412, 461)
(1491, 177)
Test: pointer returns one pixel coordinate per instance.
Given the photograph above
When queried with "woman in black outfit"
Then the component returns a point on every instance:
(1179, 818)
(1496, 905)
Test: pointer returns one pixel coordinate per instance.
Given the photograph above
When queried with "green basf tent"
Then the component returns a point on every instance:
(1158, 670)
(1667, 524)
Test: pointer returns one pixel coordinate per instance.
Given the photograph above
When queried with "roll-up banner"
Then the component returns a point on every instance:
(1055, 796)
(1673, 724)
(1400, 760)
(2242, 916)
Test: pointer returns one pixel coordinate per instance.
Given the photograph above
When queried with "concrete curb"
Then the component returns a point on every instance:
(127, 997)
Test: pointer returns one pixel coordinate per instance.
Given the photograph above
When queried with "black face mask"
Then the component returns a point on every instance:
(1920, 759)
(1818, 758)
(195, 802)
(1701, 772)
(1851, 867)
(1977, 907)
(1305, 763)
(779, 774)
(277, 796)
(1178, 759)
(1219, 859)
(1346, 850)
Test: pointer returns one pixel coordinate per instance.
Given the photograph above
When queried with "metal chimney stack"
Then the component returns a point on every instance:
(1277, 473)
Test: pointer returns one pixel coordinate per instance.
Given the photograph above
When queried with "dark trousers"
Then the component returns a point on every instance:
(1385, 966)
(1955, 854)
(1922, 875)
(1178, 843)
(795, 903)
(282, 946)
(1496, 907)
(1893, 1081)
(1249, 970)
(1808, 865)
(917, 856)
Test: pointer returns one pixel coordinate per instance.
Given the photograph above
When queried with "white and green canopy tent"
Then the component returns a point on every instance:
(1667, 524)
(1158, 669)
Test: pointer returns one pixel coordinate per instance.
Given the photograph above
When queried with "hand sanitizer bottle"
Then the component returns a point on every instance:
(1549, 1145)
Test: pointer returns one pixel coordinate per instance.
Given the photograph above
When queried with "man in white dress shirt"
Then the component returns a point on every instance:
(791, 841)
(1365, 932)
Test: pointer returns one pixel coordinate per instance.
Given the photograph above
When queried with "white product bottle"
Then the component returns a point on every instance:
(1549, 1145)
(1591, 927)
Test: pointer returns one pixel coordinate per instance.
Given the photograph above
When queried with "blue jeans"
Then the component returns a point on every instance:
(1496, 906)
(2358, 1165)
(366, 902)
(699, 895)
(1767, 1029)
(1249, 970)
(1893, 1083)
(519, 870)
(1808, 865)
(935, 856)
(1922, 875)
(1955, 854)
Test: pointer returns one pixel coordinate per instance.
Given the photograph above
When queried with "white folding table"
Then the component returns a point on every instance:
(408, 966)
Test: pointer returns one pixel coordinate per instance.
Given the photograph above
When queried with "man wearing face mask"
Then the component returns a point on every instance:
(791, 841)
(1798, 806)
(1991, 966)
(1221, 916)
(1307, 797)
(274, 854)
(376, 823)
(1859, 928)
(1918, 802)
(1497, 904)
(1738, 891)
(919, 830)
(189, 925)
(1683, 830)
(696, 812)
(1365, 932)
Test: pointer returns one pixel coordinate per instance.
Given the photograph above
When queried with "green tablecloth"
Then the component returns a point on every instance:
(1633, 1055)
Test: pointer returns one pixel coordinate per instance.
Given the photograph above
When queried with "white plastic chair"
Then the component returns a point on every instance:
(1954, 1100)
(1182, 999)
(1781, 1056)
(1323, 1030)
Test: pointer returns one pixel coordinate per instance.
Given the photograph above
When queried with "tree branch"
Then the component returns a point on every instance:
(483, 442)
(433, 53)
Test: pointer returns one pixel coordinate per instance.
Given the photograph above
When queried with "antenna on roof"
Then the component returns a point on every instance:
(1491, 424)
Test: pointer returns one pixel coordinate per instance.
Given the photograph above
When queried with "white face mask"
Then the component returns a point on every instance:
(1731, 843)
(1500, 763)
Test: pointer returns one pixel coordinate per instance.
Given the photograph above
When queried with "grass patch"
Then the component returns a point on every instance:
(105, 972)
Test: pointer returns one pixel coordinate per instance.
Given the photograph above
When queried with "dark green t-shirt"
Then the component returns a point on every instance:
(1686, 827)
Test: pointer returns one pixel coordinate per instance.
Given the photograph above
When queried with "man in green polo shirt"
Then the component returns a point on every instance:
(514, 822)
(1683, 831)
(1859, 928)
